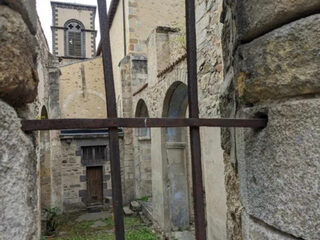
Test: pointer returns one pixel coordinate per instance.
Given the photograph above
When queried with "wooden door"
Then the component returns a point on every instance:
(94, 186)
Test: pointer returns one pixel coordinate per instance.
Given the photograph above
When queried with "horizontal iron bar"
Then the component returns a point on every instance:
(60, 124)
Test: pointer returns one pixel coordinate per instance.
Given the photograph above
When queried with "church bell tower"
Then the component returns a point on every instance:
(73, 31)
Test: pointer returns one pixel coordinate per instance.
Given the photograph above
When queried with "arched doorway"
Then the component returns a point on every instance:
(45, 165)
(176, 157)
(143, 171)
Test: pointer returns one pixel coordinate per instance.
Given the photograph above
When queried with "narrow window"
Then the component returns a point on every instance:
(74, 39)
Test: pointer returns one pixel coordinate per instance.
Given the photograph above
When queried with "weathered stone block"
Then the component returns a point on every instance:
(258, 17)
(83, 178)
(18, 75)
(83, 193)
(28, 10)
(279, 167)
(254, 229)
(282, 63)
(18, 179)
(127, 211)
(135, 206)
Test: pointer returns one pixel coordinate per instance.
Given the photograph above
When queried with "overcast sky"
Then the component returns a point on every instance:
(45, 15)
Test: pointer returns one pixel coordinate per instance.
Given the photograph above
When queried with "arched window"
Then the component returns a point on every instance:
(142, 112)
(74, 39)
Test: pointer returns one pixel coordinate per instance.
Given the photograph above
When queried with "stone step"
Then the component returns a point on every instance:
(95, 208)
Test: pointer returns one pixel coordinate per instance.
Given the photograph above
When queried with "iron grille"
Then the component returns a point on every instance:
(113, 123)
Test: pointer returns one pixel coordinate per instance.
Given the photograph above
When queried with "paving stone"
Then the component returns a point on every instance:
(185, 235)
(98, 224)
(93, 216)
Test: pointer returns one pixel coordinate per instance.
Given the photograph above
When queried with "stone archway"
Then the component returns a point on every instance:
(45, 165)
(142, 151)
(176, 158)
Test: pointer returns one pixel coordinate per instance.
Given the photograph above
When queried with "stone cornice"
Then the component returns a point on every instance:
(74, 6)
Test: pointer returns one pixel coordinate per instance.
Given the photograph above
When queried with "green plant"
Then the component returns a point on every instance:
(51, 220)
(144, 199)
(180, 41)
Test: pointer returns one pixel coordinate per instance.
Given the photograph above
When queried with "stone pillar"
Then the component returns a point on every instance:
(19, 214)
(55, 143)
(160, 201)
(128, 180)
(272, 60)
(159, 52)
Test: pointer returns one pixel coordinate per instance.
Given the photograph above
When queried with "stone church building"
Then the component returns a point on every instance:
(256, 59)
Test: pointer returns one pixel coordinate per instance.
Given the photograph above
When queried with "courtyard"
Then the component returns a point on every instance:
(100, 226)
(205, 112)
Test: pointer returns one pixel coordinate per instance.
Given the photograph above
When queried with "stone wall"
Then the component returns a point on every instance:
(133, 73)
(82, 91)
(19, 213)
(118, 46)
(163, 75)
(81, 94)
(145, 15)
(141, 17)
(154, 98)
(19, 71)
(271, 59)
(210, 78)
(74, 178)
(143, 171)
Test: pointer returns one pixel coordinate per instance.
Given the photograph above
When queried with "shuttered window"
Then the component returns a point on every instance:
(94, 155)
(74, 40)
(74, 44)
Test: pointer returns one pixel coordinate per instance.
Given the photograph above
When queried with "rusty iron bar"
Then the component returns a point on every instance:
(195, 144)
(111, 112)
(113, 123)
(63, 124)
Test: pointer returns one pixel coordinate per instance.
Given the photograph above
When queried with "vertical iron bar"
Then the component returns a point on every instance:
(198, 190)
(112, 113)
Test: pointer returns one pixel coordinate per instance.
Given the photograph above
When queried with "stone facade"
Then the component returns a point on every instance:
(82, 91)
(169, 157)
(151, 80)
(270, 71)
(74, 170)
(80, 94)
(131, 24)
